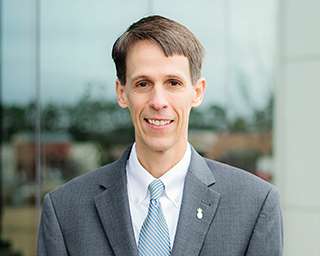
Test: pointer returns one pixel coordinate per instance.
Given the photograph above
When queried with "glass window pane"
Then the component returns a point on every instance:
(83, 128)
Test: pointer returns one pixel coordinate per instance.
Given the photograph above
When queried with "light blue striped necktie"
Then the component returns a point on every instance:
(154, 236)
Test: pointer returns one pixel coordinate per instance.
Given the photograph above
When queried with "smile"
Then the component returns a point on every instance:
(158, 122)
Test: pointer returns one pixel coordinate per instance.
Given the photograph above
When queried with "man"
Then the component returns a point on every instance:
(196, 206)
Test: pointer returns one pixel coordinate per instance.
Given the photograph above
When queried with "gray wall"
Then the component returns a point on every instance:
(297, 125)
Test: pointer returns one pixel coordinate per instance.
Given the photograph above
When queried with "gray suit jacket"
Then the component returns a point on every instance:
(90, 215)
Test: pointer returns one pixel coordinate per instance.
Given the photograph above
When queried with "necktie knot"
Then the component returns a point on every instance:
(156, 187)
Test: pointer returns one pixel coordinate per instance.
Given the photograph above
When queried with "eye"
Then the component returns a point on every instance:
(142, 84)
(174, 83)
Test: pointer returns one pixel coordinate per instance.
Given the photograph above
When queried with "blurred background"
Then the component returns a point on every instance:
(60, 118)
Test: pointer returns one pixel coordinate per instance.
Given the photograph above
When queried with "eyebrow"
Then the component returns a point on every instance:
(136, 78)
(173, 76)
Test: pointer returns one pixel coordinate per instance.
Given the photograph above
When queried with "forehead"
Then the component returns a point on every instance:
(147, 58)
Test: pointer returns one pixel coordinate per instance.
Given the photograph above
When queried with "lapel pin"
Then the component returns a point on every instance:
(199, 213)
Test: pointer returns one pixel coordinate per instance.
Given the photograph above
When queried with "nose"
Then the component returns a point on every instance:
(158, 98)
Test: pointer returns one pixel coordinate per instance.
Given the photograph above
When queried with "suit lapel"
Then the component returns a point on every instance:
(113, 209)
(197, 194)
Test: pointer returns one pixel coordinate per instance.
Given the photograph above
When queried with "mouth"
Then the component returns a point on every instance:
(158, 122)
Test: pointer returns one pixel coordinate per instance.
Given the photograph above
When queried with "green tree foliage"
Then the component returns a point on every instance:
(239, 125)
(263, 118)
(16, 118)
(108, 124)
(100, 121)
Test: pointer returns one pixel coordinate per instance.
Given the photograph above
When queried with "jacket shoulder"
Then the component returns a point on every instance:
(94, 181)
(82, 185)
(236, 179)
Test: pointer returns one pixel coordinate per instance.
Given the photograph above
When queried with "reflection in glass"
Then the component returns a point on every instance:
(82, 127)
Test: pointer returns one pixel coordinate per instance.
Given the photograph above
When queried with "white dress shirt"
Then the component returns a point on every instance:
(139, 196)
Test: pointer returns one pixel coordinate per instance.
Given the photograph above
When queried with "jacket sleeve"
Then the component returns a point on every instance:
(267, 236)
(50, 237)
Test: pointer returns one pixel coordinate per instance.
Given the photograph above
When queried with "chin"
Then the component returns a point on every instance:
(161, 145)
(155, 144)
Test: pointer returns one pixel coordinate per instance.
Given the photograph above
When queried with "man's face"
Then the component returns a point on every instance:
(159, 94)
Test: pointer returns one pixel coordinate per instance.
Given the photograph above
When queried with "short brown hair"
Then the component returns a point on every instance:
(171, 36)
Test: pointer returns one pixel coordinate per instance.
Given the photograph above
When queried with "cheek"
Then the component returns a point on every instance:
(183, 110)
(135, 108)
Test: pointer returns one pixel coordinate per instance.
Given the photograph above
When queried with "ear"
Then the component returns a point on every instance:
(121, 94)
(199, 90)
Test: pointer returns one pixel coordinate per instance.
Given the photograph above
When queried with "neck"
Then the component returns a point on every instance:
(157, 163)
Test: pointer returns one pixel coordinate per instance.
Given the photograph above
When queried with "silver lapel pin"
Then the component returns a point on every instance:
(199, 213)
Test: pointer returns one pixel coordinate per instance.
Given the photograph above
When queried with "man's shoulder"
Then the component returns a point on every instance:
(82, 184)
(93, 181)
(85, 185)
(228, 177)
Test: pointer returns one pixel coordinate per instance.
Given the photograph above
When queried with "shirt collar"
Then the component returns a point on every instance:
(139, 178)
